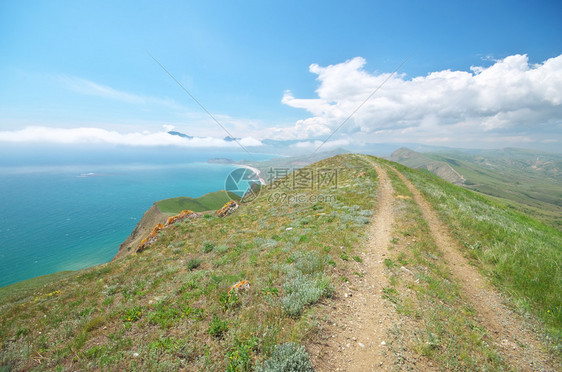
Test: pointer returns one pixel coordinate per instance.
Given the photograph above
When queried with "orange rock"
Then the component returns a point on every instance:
(181, 216)
(228, 208)
(151, 238)
(243, 284)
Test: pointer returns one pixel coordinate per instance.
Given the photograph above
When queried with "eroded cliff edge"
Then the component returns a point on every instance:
(150, 218)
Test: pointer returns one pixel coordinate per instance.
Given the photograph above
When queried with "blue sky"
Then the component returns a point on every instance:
(479, 73)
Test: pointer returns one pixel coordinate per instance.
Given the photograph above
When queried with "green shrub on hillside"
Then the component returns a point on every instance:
(305, 284)
(287, 357)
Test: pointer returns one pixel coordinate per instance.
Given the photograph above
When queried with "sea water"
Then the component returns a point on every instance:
(68, 211)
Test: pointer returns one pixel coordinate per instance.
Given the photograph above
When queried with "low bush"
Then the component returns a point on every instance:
(287, 357)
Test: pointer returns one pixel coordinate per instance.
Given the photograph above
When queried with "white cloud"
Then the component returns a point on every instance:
(89, 135)
(499, 101)
(325, 146)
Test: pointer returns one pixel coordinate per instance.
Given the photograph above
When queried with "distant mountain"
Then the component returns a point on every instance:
(231, 139)
(221, 161)
(416, 160)
(179, 134)
(526, 177)
(293, 162)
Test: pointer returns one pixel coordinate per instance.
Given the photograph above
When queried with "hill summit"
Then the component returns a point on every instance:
(350, 262)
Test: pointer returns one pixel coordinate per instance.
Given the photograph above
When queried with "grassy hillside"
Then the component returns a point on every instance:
(518, 253)
(23, 288)
(208, 202)
(170, 307)
(526, 180)
(416, 160)
(170, 304)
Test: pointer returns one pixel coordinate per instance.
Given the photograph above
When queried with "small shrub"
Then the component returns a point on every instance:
(366, 213)
(132, 314)
(194, 263)
(361, 220)
(265, 243)
(111, 290)
(217, 327)
(302, 290)
(229, 300)
(240, 356)
(221, 248)
(307, 262)
(287, 357)
(207, 247)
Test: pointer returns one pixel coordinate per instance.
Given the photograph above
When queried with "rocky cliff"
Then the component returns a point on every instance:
(151, 218)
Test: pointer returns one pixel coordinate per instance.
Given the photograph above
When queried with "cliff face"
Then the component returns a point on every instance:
(151, 218)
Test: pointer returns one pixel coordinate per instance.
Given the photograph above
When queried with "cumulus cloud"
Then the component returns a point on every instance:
(512, 99)
(88, 135)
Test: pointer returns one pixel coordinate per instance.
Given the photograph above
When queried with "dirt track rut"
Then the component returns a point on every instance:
(356, 339)
(361, 317)
(518, 345)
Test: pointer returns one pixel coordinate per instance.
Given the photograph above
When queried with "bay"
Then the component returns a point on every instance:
(56, 216)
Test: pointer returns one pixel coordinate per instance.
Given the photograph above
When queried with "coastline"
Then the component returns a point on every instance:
(116, 251)
(256, 171)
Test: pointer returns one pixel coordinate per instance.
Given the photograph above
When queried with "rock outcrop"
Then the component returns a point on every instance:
(151, 218)
(153, 236)
(228, 208)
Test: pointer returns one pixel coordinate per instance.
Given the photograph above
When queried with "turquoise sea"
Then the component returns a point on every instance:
(69, 209)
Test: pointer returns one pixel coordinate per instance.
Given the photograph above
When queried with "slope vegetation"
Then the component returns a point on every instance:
(524, 180)
(416, 160)
(368, 264)
(208, 202)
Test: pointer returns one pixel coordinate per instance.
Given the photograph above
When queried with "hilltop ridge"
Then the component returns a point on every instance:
(526, 180)
(306, 266)
(416, 160)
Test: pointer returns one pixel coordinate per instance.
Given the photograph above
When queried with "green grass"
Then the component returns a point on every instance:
(207, 202)
(442, 327)
(22, 288)
(169, 304)
(169, 307)
(540, 195)
(527, 181)
(519, 254)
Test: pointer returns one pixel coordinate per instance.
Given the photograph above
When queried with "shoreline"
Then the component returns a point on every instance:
(256, 171)
(119, 252)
